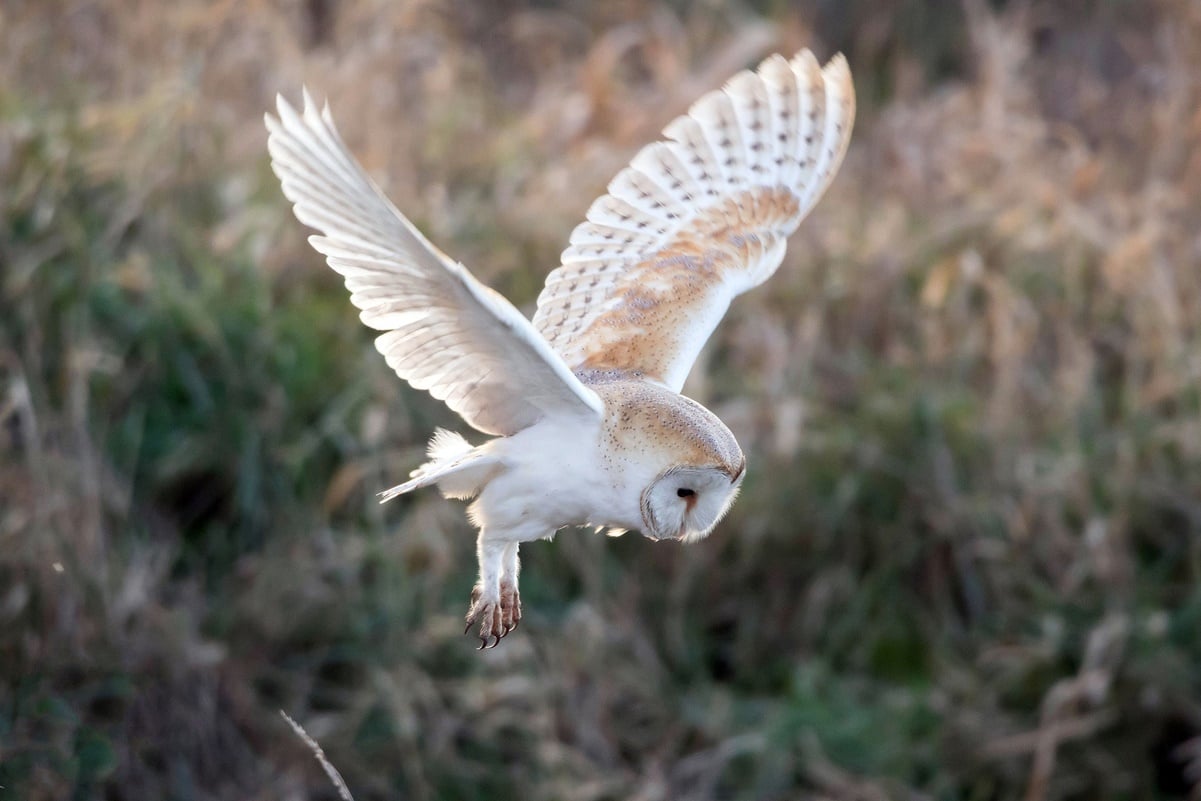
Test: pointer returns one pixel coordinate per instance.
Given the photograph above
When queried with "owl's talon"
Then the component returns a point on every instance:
(496, 618)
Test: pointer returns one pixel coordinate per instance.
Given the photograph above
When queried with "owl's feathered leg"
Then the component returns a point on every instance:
(510, 599)
(495, 605)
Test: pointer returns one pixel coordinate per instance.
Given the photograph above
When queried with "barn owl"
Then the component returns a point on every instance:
(583, 404)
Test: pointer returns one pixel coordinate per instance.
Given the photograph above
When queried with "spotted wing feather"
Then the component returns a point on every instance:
(697, 219)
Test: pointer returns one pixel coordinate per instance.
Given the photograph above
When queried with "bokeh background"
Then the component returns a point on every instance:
(966, 563)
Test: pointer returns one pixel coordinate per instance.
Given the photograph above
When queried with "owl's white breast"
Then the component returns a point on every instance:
(558, 473)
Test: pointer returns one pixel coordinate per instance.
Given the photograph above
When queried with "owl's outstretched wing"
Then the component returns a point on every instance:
(698, 219)
(446, 332)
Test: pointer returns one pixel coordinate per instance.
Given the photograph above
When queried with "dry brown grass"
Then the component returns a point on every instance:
(967, 559)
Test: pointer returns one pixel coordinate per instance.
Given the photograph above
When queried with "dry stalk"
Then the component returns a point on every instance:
(334, 777)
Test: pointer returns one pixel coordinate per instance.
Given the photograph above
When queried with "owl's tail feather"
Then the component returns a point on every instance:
(459, 469)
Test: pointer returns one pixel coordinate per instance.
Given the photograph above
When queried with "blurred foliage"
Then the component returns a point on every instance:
(967, 559)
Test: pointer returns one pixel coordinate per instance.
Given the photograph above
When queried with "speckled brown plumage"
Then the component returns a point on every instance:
(644, 419)
(650, 304)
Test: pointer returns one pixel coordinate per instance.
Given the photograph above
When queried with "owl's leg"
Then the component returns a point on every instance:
(486, 602)
(510, 600)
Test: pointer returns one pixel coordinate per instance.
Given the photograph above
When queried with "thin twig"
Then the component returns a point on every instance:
(1061, 731)
(326, 765)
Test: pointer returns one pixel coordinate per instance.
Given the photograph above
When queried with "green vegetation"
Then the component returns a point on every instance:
(966, 563)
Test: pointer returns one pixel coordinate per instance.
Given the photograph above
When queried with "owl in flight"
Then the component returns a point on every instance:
(583, 403)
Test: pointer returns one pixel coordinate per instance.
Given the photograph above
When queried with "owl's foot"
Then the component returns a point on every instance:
(496, 616)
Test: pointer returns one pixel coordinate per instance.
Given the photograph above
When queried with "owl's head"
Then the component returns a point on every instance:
(684, 460)
(685, 503)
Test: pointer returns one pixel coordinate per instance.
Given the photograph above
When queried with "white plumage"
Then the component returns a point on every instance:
(446, 332)
(584, 401)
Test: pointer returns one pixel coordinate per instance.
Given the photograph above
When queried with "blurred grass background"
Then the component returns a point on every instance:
(966, 563)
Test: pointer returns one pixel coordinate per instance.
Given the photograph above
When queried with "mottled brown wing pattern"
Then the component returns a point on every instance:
(697, 219)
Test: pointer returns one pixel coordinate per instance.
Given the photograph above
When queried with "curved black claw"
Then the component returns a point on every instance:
(496, 618)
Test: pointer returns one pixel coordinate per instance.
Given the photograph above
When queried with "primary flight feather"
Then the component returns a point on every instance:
(584, 401)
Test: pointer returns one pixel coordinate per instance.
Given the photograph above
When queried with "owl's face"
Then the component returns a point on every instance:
(685, 503)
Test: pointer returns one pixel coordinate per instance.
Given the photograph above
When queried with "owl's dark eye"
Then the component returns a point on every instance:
(684, 492)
